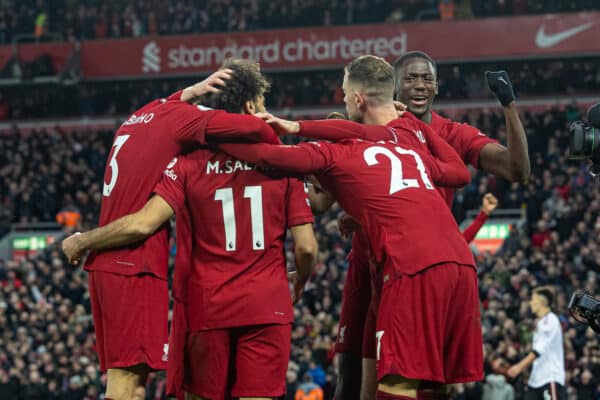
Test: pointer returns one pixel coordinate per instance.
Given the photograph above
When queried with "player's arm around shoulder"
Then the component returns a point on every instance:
(128, 229)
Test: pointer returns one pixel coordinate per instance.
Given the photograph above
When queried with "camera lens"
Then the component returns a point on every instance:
(584, 141)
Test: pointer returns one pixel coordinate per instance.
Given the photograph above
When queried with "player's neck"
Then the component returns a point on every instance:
(426, 117)
(542, 313)
(381, 115)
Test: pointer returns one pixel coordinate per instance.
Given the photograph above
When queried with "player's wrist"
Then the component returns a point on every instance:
(294, 127)
(187, 94)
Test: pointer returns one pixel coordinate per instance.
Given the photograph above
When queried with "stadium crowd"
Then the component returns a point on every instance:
(465, 81)
(47, 342)
(93, 19)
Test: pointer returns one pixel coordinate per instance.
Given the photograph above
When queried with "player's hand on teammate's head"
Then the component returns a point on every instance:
(281, 126)
(500, 85)
(347, 225)
(72, 248)
(490, 202)
(212, 84)
(400, 108)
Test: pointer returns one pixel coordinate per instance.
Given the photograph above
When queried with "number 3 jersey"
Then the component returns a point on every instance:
(239, 218)
(143, 146)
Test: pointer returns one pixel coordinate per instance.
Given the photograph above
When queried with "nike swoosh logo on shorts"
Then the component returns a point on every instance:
(543, 40)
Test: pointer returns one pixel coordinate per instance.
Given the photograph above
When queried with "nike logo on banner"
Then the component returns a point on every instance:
(544, 40)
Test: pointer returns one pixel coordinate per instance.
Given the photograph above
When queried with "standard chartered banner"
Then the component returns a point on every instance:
(317, 48)
(528, 36)
(273, 49)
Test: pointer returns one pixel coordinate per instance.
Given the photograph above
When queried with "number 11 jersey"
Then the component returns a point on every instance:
(239, 218)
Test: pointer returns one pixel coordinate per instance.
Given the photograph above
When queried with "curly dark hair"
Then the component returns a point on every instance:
(247, 83)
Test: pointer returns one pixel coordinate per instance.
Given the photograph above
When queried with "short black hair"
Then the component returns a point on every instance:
(546, 293)
(403, 59)
(247, 83)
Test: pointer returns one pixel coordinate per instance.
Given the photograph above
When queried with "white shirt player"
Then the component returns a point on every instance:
(549, 366)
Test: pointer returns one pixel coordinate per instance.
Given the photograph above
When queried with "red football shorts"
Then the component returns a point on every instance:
(355, 299)
(429, 326)
(248, 361)
(130, 319)
(175, 364)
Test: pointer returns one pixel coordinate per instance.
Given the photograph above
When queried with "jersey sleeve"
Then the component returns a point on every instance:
(298, 206)
(471, 231)
(176, 95)
(468, 142)
(171, 186)
(304, 158)
(197, 124)
(339, 129)
(447, 168)
(228, 127)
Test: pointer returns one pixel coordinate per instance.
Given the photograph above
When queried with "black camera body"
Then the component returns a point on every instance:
(587, 307)
(584, 140)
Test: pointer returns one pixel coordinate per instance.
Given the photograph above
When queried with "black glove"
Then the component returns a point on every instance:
(499, 84)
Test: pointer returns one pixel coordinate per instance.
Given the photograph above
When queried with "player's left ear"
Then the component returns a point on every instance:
(361, 101)
(437, 88)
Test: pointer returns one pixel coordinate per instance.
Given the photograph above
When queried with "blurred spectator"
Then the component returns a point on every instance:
(317, 373)
(40, 25)
(447, 8)
(93, 19)
(496, 388)
(69, 217)
(308, 390)
(40, 169)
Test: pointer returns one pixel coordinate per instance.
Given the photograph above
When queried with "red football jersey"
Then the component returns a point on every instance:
(465, 139)
(239, 219)
(387, 186)
(183, 262)
(143, 146)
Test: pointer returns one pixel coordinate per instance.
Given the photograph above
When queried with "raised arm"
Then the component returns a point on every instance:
(305, 158)
(211, 84)
(128, 229)
(471, 231)
(489, 204)
(510, 162)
